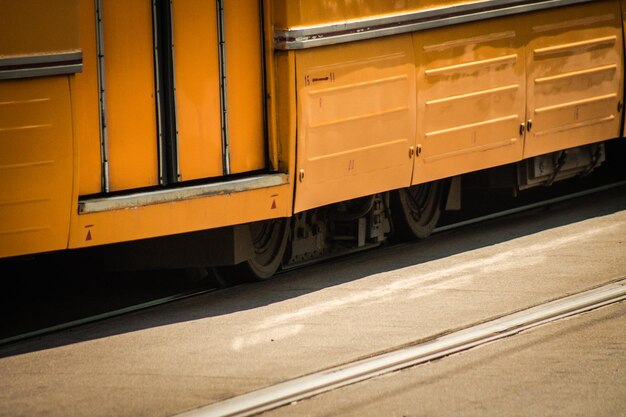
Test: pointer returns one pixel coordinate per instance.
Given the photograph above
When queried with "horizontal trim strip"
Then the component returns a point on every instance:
(166, 196)
(355, 150)
(584, 22)
(577, 103)
(360, 117)
(16, 67)
(24, 230)
(605, 42)
(581, 73)
(565, 128)
(492, 37)
(513, 117)
(25, 201)
(27, 164)
(369, 28)
(472, 65)
(475, 149)
(31, 127)
(506, 89)
(362, 84)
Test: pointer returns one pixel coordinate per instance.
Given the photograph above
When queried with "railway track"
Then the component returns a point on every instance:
(435, 347)
(204, 290)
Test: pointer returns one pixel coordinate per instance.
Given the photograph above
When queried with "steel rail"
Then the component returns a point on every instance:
(307, 386)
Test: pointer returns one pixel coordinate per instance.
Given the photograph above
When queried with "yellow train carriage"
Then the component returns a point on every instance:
(129, 120)
(122, 121)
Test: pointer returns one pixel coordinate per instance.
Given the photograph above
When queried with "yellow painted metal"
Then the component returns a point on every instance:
(284, 99)
(130, 92)
(36, 148)
(197, 89)
(85, 106)
(356, 120)
(204, 213)
(471, 98)
(180, 216)
(360, 111)
(244, 74)
(38, 26)
(575, 76)
(36, 165)
(216, 211)
(301, 13)
(270, 82)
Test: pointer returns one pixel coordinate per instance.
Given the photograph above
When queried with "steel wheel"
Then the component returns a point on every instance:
(416, 209)
(269, 240)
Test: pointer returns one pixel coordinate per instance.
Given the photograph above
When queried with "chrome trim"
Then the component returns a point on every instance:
(40, 65)
(105, 182)
(221, 38)
(157, 88)
(264, 100)
(369, 28)
(89, 205)
(178, 174)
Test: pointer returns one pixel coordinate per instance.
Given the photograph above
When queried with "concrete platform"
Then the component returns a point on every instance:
(191, 353)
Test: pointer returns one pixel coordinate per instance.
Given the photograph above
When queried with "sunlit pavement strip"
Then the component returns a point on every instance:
(310, 385)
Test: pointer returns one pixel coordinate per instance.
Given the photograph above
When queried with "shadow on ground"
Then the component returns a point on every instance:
(289, 284)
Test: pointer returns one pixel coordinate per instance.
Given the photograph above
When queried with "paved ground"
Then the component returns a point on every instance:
(575, 367)
(187, 354)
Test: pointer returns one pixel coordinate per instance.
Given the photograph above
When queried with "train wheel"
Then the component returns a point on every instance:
(416, 210)
(269, 240)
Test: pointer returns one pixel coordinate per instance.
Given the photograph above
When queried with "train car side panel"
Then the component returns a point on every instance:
(130, 94)
(140, 222)
(245, 95)
(471, 98)
(575, 76)
(356, 118)
(36, 165)
(38, 26)
(86, 106)
(291, 13)
(197, 89)
(39, 53)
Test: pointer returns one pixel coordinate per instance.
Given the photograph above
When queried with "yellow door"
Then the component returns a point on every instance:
(197, 71)
(471, 98)
(356, 120)
(200, 114)
(244, 76)
(211, 143)
(129, 85)
(575, 76)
